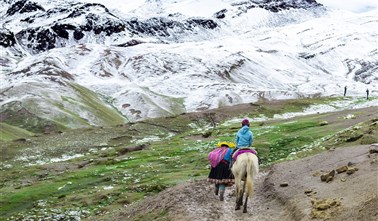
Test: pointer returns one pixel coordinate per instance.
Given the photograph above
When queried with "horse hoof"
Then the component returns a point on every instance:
(244, 211)
(237, 208)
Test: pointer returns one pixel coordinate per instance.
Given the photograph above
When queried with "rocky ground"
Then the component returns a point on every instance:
(339, 184)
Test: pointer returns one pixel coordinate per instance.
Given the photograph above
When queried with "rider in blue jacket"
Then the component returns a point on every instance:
(244, 137)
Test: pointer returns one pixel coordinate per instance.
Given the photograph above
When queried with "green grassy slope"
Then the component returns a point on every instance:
(116, 166)
(8, 132)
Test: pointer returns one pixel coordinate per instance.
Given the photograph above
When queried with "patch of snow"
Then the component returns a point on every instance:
(65, 158)
(350, 116)
(108, 187)
(146, 140)
(36, 159)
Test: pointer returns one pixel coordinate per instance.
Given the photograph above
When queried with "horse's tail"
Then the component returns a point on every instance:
(252, 171)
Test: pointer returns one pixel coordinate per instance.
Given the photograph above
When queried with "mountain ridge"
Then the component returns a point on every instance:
(140, 67)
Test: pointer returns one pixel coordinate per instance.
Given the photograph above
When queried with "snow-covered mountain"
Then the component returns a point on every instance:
(83, 63)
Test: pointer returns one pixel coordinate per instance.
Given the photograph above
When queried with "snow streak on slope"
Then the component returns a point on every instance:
(168, 58)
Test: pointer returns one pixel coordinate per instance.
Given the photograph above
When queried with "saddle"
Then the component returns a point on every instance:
(241, 151)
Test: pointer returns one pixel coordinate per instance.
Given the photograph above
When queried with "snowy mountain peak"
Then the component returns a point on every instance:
(62, 23)
(85, 63)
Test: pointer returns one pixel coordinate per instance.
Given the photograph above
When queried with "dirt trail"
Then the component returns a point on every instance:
(202, 204)
(306, 197)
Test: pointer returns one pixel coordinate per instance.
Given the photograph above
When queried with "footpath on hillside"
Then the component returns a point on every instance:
(305, 189)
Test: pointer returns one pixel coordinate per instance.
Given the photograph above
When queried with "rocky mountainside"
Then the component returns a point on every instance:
(74, 64)
(38, 28)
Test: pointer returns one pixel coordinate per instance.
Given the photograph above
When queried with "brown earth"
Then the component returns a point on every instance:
(286, 191)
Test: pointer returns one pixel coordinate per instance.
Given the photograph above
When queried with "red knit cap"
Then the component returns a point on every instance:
(245, 122)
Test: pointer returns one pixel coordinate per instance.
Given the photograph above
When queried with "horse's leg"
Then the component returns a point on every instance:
(242, 194)
(245, 203)
(237, 184)
(237, 207)
(237, 203)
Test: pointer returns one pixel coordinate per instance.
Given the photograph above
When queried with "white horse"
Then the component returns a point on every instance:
(245, 168)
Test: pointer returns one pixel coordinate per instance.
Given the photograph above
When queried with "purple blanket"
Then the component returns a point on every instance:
(241, 151)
